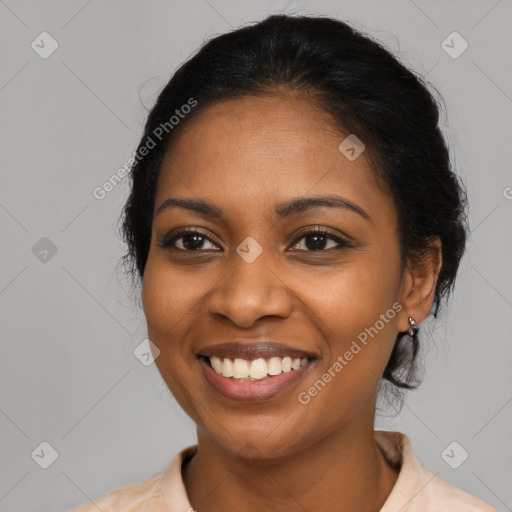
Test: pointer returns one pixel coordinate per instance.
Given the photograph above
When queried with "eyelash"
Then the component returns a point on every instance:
(168, 242)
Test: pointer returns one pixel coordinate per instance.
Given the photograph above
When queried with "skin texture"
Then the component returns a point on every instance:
(246, 156)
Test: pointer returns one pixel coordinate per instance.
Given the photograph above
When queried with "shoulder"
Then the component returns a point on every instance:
(417, 489)
(162, 492)
(146, 496)
(444, 496)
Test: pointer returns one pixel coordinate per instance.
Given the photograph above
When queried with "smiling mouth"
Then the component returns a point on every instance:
(253, 370)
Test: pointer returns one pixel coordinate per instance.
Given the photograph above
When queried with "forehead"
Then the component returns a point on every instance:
(262, 150)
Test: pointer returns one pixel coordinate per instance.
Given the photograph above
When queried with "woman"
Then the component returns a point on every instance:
(293, 219)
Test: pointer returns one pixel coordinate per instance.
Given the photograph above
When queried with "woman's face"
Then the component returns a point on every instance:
(250, 273)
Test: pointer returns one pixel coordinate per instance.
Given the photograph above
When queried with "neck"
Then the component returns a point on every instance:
(344, 471)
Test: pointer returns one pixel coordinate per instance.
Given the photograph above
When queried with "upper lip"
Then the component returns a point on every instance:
(253, 350)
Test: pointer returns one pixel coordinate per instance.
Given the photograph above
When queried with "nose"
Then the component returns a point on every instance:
(250, 291)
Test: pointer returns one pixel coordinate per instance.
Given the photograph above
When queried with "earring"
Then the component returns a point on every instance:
(413, 327)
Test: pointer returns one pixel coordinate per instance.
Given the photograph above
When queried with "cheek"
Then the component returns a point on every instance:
(353, 298)
(168, 296)
(358, 321)
(166, 302)
(168, 306)
(356, 311)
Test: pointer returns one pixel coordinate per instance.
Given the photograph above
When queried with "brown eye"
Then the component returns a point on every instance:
(190, 241)
(318, 239)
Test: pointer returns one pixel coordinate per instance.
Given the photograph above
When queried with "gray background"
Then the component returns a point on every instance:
(69, 324)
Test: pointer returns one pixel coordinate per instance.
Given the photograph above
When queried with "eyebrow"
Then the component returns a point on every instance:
(282, 210)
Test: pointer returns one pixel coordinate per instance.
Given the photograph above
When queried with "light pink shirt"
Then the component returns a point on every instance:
(416, 489)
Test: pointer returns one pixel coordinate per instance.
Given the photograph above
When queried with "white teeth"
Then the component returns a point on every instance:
(216, 363)
(274, 366)
(256, 369)
(286, 364)
(227, 368)
(240, 369)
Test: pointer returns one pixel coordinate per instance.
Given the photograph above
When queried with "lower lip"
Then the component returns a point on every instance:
(255, 391)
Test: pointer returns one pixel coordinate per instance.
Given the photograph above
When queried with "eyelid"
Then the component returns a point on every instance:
(168, 240)
(178, 233)
(342, 240)
(318, 228)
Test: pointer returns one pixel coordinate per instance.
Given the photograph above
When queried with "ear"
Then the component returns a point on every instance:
(419, 285)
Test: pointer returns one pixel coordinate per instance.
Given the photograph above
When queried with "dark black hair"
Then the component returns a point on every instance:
(367, 91)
